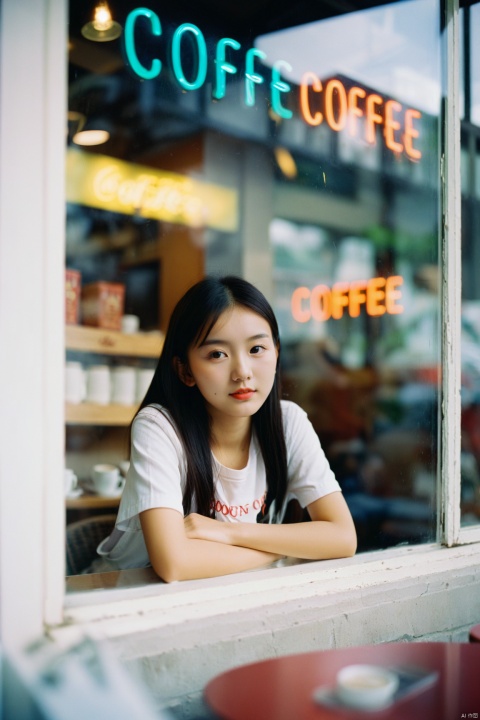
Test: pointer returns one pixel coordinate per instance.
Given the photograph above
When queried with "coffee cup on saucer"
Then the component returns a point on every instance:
(366, 687)
(106, 480)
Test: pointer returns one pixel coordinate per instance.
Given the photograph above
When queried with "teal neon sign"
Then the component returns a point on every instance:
(278, 86)
(225, 61)
(196, 34)
(130, 49)
(222, 66)
(252, 78)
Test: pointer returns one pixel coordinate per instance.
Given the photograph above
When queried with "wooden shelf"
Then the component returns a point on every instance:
(91, 502)
(111, 342)
(90, 414)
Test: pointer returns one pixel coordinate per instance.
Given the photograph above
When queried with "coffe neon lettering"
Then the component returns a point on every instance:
(378, 296)
(336, 105)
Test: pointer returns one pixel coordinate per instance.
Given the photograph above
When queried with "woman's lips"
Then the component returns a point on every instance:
(243, 394)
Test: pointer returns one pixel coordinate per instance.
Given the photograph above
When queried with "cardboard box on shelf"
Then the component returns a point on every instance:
(73, 287)
(102, 305)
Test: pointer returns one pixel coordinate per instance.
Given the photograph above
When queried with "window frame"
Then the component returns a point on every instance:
(450, 532)
(33, 83)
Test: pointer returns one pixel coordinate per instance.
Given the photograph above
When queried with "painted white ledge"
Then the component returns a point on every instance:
(114, 613)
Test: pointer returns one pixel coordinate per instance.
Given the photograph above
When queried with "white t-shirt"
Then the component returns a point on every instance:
(157, 476)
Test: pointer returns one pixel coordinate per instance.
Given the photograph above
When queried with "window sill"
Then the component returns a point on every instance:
(136, 601)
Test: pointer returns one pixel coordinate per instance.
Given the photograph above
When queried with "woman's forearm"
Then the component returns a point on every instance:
(329, 534)
(316, 540)
(203, 559)
(175, 555)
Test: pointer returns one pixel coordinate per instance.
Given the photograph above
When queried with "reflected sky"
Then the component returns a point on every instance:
(394, 49)
(475, 63)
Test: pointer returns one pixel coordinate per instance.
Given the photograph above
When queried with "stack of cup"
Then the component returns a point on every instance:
(123, 385)
(75, 385)
(98, 384)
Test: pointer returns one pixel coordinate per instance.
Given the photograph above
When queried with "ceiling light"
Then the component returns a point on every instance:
(75, 123)
(285, 162)
(91, 137)
(102, 28)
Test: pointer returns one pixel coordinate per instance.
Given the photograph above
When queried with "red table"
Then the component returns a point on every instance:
(281, 688)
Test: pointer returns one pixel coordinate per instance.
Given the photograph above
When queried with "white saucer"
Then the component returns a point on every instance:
(88, 485)
(114, 495)
(328, 697)
(74, 494)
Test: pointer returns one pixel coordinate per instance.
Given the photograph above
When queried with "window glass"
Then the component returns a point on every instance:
(299, 149)
(470, 327)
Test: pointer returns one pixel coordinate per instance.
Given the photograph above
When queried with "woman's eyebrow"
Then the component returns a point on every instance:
(219, 341)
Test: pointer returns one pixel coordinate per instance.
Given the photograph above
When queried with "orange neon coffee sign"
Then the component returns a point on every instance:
(342, 107)
(377, 296)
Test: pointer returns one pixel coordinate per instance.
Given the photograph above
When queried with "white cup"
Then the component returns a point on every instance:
(123, 385)
(70, 481)
(98, 384)
(130, 324)
(75, 385)
(144, 378)
(367, 687)
(106, 480)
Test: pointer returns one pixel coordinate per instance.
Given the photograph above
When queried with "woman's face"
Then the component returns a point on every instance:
(234, 367)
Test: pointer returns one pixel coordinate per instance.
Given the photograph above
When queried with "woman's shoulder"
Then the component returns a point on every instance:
(155, 417)
(154, 413)
(291, 411)
(295, 420)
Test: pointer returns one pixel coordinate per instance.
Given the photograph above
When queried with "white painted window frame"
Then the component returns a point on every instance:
(450, 531)
(33, 101)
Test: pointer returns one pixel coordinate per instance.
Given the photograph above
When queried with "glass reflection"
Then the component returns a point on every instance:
(348, 204)
(470, 329)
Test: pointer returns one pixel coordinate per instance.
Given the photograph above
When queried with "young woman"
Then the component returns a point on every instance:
(216, 455)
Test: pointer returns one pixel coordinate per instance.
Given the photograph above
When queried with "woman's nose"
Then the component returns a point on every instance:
(242, 370)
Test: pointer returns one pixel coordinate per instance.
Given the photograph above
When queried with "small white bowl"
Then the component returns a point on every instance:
(367, 687)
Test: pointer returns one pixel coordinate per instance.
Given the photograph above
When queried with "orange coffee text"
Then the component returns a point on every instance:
(342, 108)
(378, 296)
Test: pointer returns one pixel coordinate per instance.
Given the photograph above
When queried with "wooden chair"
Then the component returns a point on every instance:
(82, 540)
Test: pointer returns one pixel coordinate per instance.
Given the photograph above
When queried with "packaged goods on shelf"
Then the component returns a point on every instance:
(73, 286)
(103, 304)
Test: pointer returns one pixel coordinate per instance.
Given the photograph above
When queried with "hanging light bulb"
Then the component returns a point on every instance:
(102, 28)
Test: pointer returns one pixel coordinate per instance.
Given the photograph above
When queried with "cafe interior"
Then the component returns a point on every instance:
(329, 154)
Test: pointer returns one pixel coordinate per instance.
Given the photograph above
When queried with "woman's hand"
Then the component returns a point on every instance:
(199, 527)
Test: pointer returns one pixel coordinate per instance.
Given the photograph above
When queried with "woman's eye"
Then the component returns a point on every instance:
(216, 354)
(257, 349)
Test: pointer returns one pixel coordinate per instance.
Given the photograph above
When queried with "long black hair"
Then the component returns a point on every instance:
(192, 320)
